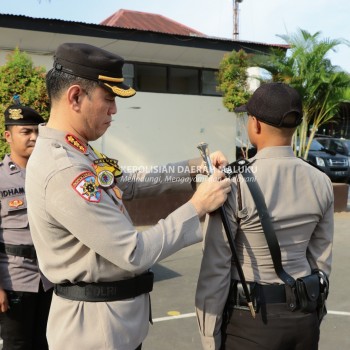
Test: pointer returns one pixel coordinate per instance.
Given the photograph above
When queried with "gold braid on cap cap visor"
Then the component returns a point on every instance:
(114, 80)
(121, 92)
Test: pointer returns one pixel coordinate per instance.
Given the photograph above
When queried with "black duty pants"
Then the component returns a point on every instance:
(23, 326)
(274, 328)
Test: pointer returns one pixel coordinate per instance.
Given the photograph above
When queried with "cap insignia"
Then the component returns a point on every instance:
(76, 143)
(86, 186)
(15, 114)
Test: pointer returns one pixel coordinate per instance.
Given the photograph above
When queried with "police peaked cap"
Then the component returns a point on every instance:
(92, 63)
(22, 115)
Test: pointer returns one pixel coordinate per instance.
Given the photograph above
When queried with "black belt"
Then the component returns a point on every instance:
(270, 294)
(25, 251)
(259, 293)
(106, 291)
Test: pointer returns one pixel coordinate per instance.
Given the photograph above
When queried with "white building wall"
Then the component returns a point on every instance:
(154, 128)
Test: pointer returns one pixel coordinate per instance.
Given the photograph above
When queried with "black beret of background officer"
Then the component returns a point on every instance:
(92, 63)
(22, 115)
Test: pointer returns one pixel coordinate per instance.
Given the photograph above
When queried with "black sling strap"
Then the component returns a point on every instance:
(267, 227)
(242, 167)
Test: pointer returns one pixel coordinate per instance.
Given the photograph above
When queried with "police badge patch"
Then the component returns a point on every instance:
(16, 203)
(86, 186)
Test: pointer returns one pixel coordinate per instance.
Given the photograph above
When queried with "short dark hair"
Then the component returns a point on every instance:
(58, 81)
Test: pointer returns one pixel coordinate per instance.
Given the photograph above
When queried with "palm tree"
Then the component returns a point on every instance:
(307, 68)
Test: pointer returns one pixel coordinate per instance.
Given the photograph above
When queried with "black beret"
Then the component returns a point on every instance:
(22, 115)
(92, 63)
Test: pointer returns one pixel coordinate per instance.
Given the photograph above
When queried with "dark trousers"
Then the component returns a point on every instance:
(23, 326)
(274, 328)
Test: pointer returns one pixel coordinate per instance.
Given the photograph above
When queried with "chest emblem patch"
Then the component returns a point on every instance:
(16, 203)
(86, 186)
(106, 170)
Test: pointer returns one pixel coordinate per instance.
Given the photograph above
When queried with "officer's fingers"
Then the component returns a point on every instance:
(4, 306)
(218, 159)
(217, 175)
(226, 185)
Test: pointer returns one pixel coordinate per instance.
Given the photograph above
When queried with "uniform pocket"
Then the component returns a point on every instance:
(14, 212)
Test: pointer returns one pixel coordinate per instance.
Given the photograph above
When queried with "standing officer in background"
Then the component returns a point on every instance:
(24, 303)
(299, 199)
(85, 241)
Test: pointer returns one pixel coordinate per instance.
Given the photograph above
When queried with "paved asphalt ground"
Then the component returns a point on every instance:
(175, 285)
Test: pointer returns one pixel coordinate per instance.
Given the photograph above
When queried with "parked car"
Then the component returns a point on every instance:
(334, 164)
(337, 145)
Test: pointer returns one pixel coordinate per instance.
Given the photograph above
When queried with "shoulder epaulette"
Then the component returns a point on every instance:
(236, 167)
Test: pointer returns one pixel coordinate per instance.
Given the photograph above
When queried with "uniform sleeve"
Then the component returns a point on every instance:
(213, 282)
(161, 179)
(98, 223)
(319, 252)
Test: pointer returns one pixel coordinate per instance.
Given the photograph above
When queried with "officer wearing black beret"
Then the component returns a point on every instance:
(85, 240)
(25, 295)
(22, 115)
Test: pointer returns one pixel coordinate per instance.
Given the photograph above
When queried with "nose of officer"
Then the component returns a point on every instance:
(34, 134)
(113, 108)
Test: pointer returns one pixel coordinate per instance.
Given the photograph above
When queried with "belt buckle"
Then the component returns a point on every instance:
(240, 301)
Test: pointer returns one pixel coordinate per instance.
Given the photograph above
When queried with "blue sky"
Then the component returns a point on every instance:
(259, 21)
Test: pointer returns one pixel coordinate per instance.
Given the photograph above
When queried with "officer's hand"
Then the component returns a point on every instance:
(198, 166)
(218, 159)
(3, 301)
(211, 194)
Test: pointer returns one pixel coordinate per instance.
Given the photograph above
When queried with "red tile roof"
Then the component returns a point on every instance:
(149, 22)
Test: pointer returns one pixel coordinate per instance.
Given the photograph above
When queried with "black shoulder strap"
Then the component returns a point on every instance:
(258, 197)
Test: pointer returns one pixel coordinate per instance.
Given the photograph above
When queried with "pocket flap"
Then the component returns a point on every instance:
(312, 286)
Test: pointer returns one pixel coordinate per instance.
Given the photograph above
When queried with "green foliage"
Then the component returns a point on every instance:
(233, 83)
(232, 79)
(307, 68)
(19, 75)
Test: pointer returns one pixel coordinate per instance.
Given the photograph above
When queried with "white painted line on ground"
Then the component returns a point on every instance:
(339, 313)
(169, 318)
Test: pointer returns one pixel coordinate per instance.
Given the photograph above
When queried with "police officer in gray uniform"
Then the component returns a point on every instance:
(299, 201)
(25, 295)
(85, 240)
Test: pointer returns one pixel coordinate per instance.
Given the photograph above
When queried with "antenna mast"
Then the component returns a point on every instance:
(236, 19)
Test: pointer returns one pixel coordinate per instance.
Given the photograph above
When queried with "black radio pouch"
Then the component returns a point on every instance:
(312, 292)
(308, 291)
